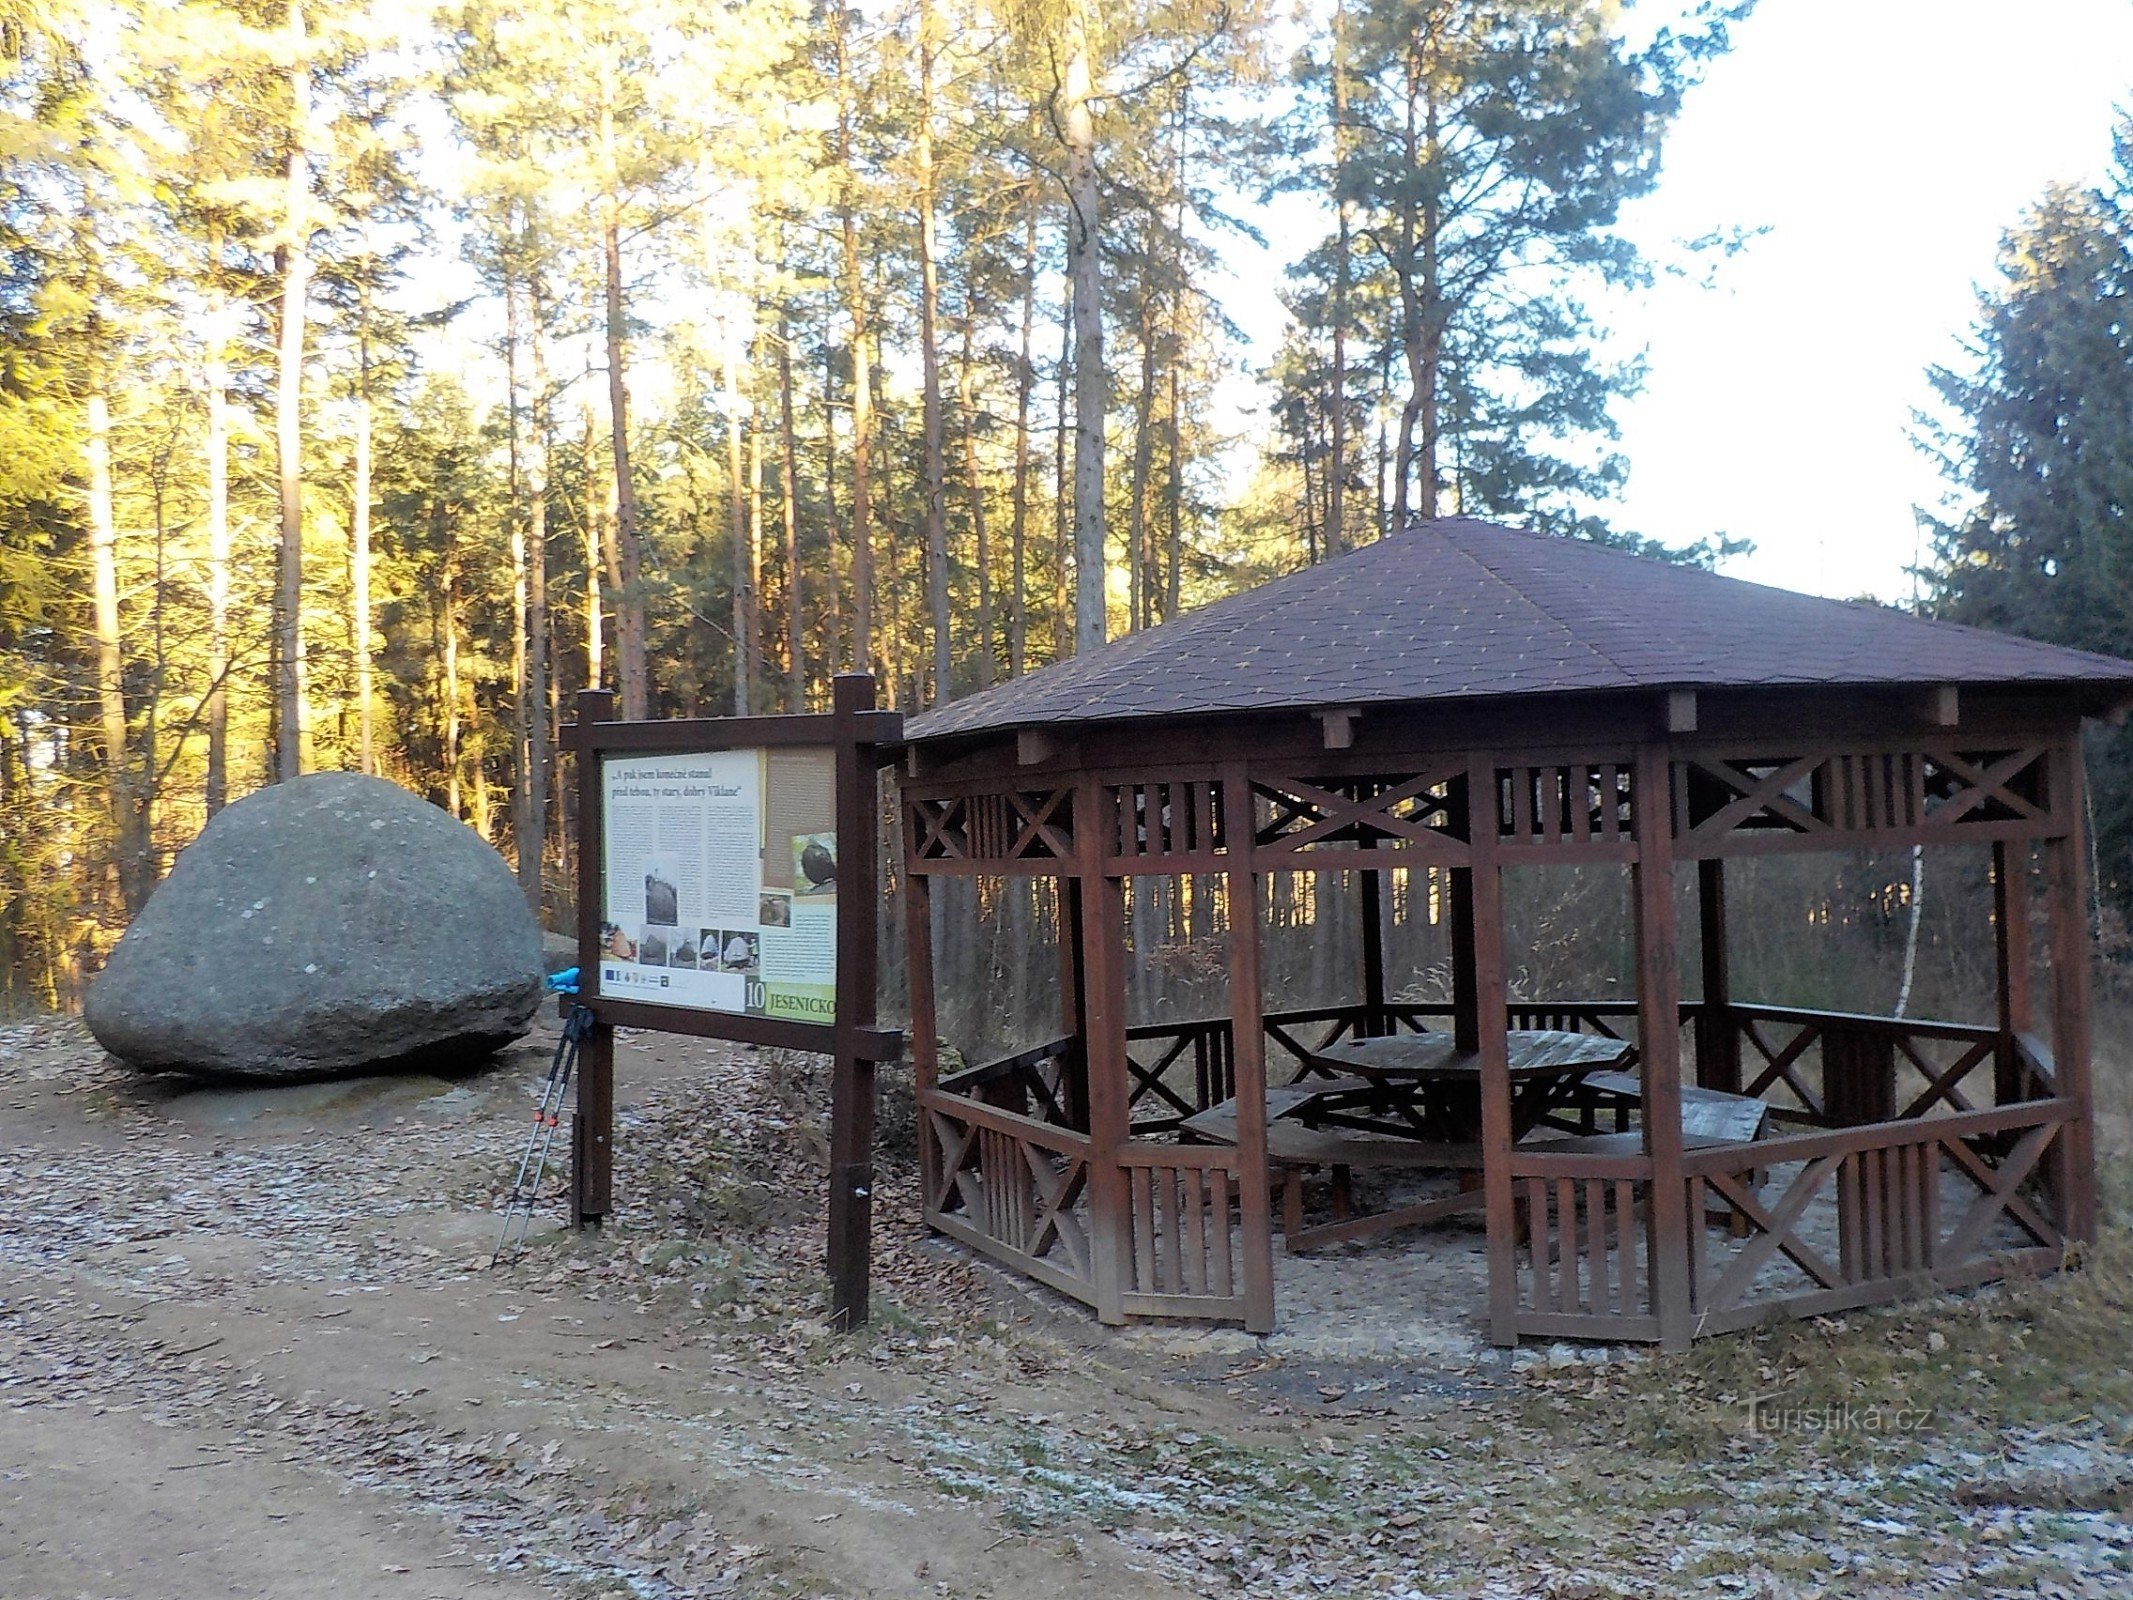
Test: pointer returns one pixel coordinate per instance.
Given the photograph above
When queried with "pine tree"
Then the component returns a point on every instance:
(1479, 153)
(2038, 445)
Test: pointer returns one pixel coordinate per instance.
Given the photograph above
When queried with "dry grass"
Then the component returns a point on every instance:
(2024, 1355)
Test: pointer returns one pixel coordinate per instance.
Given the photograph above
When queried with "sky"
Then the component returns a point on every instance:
(1884, 145)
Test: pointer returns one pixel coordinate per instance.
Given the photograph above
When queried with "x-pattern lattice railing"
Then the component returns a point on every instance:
(1913, 791)
(1008, 825)
(1303, 815)
(1781, 1064)
(1015, 1181)
(1877, 1191)
(1956, 786)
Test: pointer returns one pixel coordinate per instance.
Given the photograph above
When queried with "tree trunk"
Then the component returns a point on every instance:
(217, 382)
(831, 627)
(1432, 329)
(1173, 566)
(862, 647)
(929, 296)
(594, 621)
(754, 645)
(1025, 380)
(1337, 468)
(1139, 579)
(1062, 536)
(1084, 269)
(975, 483)
(131, 861)
(629, 584)
(788, 495)
(446, 544)
(533, 803)
(295, 264)
(359, 555)
(521, 585)
(737, 529)
(1403, 468)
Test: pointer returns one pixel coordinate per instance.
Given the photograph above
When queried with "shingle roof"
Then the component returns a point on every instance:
(1460, 609)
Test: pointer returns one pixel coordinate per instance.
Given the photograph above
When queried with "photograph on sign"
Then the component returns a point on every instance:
(719, 883)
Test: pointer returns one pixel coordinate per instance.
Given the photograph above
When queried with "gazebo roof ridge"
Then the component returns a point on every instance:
(1460, 609)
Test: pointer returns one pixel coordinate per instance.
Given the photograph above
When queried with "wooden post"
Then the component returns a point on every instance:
(1717, 1041)
(925, 1025)
(592, 1124)
(1374, 952)
(1483, 1010)
(2067, 903)
(1103, 1040)
(2010, 922)
(852, 1086)
(1248, 1057)
(1073, 1000)
(1466, 1026)
(1659, 1046)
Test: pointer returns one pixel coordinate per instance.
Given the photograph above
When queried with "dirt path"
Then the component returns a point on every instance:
(250, 1345)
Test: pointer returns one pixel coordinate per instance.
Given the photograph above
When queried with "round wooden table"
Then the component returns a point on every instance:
(1434, 1087)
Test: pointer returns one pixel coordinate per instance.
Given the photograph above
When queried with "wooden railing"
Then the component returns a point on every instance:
(1183, 1205)
(1034, 1082)
(1865, 1214)
(1011, 1187)
(1178, 1069)
(1858, 1206)
(1834, 1069)
(1585, 1272)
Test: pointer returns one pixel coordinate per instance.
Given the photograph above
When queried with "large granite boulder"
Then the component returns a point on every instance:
(326, 926)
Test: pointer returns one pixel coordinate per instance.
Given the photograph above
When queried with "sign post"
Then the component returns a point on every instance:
(728, 887)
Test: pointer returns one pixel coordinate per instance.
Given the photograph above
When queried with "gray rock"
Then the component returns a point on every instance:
(329, 925)
(558, 950)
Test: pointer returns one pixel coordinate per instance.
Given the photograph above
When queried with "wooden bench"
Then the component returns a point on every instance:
(1293, 1149)
(1709, 1117)
(1709, 1114)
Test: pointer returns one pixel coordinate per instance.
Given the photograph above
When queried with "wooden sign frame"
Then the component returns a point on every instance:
(860, 736)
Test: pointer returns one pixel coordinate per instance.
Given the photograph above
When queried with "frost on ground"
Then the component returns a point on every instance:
(250, 1344)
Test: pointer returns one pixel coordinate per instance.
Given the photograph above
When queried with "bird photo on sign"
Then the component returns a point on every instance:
(814, 863)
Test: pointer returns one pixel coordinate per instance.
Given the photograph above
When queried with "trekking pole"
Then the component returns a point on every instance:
(533, 1165)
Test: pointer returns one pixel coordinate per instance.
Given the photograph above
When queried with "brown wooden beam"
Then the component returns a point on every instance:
(1717, 1035)
(592, 1123)
(2011, 961)
(1373, 914)
(1530, 730)
(1659, 1047)
(1248, 1060)
(2067, 904)
(852, 1081)
(1103, 1035)
(1466, 1025)
(1485, 1013)
(925, 1022)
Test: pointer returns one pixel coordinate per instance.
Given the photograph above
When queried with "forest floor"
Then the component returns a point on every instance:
(250, 1344)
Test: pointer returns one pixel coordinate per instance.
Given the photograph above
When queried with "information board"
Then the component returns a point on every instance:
(729, 888)
(719, 881)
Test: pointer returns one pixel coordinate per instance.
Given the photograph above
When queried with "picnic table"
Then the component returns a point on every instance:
(1426, 1082)
(1413, 1101)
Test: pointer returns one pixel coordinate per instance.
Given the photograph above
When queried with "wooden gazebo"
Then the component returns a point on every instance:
(1470, 697)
